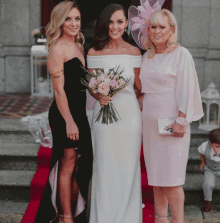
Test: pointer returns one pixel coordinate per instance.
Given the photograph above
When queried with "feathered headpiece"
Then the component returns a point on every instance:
(139, 16)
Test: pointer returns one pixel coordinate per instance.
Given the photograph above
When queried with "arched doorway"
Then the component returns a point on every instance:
(90, 9)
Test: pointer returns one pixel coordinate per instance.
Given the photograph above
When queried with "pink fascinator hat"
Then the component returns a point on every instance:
(139, 16)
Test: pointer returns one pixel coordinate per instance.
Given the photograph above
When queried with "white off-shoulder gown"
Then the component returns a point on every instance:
(116, 179)
(170, 84)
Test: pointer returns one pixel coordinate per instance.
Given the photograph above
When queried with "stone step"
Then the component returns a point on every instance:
(16, 137)
(193, 189)
(23, 156)
(20, 181)
(15, 185)
(197, 197)
(12, 125)
(192, 213)
(12, 211)
(197, 141)
(193, 153)
(18, 156)
(16, 178)
(194, 182)
(193, 165)
(13, 131)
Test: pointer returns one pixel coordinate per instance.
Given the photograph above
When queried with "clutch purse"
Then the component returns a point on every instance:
(163, 123)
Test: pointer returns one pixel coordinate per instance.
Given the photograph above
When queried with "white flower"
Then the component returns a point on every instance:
(107, 80)
(100, 78)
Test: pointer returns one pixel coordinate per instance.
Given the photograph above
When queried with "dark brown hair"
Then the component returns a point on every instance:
(102, 26)
(214, 136)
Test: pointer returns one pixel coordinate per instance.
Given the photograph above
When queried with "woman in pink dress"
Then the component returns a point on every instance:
(171, 88)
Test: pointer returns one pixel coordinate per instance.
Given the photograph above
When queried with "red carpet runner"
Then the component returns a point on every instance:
(39, 180)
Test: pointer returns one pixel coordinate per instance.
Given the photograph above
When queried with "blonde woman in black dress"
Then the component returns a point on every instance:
(66, 191)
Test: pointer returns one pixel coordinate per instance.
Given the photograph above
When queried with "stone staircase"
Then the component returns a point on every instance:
(18, 164)
(194, 177)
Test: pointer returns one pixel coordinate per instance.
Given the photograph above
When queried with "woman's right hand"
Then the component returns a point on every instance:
(104, 100)
(72, 130)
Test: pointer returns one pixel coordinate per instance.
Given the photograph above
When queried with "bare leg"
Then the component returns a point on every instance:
(66, 169)
(74, 194)
(161, 205)
(176, 199)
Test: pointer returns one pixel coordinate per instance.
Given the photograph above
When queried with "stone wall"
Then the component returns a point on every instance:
(17, 20)
(198, 23)
(199, 31)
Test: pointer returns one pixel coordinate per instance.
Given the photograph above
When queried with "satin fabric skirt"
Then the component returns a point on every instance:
(165, 157)
(116, 179)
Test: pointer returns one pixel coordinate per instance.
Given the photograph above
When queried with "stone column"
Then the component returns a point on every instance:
(18, 19)
(198, 23)
(212, 64)
(2, 65)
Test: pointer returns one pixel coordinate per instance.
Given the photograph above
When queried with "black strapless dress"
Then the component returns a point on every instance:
(76, 96)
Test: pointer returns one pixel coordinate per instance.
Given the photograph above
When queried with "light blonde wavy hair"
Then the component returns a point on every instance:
(54, 28)
(172, 43)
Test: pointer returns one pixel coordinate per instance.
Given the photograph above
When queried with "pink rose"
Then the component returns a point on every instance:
(92, 83)
(104, 88)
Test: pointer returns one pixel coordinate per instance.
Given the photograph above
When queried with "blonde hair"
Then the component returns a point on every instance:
(54, 28)
(155, 18)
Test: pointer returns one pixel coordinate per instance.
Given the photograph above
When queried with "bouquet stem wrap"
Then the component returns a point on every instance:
(108, 114)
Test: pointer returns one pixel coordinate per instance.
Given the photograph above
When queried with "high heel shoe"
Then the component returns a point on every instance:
(64, 216)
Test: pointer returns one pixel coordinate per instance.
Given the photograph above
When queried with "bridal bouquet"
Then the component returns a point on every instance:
(108, 83)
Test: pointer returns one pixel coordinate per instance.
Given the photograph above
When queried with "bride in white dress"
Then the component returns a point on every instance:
(116, 180)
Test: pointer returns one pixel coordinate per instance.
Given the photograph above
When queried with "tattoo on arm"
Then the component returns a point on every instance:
(55, 76)
(57, 72)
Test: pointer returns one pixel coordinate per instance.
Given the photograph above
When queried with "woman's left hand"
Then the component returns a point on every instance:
(178, 130)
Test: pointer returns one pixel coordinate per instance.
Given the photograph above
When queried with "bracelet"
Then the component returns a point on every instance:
(57, 72)
(182, 121)
(66, 216)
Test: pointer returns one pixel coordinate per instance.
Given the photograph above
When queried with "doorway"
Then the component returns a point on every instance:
(90, 10)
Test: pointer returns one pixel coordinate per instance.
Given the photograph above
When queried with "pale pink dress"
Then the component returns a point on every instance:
(170, 84)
